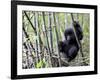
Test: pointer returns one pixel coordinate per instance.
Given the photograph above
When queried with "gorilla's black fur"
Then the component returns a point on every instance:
(69, 46)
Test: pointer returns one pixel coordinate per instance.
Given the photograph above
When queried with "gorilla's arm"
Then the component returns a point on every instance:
(79, 33)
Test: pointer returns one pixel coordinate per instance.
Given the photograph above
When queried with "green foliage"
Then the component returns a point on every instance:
(41, 64)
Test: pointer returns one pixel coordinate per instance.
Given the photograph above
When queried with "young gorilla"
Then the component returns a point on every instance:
(69, 46)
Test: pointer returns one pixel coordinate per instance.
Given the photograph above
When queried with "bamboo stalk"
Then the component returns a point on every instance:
(51, 40)
(58, 24)
(30, 21)
(27, 36)
(37, 56)
(38, 32)
(77, 16)
(57, 37)
(66, 21)
(82, 20)
(46, 33)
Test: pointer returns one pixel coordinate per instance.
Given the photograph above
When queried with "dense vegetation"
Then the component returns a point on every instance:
(41, 33)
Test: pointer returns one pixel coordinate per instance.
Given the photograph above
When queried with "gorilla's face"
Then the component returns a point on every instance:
(69, 35)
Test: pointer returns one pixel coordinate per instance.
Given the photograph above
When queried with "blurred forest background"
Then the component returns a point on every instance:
(41, 33)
